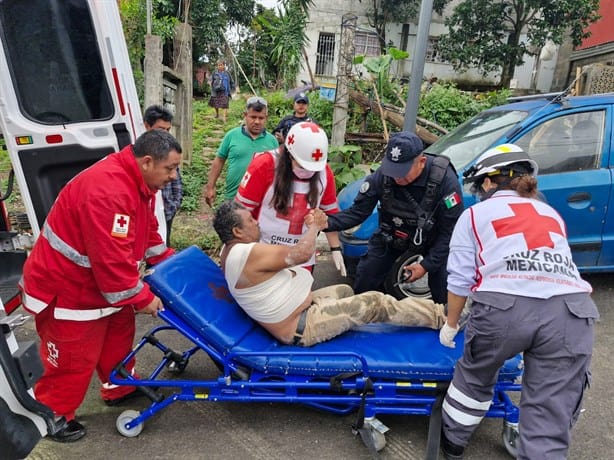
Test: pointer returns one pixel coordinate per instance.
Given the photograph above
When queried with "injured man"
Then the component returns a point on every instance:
(268, 282)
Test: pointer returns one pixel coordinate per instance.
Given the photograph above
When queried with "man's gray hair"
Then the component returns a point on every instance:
(156, 143)
(256, 103)
(226, 218)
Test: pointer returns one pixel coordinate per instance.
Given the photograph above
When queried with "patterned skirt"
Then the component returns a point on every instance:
(219, 101)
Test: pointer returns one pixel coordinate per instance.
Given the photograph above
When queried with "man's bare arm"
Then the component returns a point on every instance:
(267, 258)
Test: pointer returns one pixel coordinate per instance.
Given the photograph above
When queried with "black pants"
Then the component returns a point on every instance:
(375, 265)
(169, 223)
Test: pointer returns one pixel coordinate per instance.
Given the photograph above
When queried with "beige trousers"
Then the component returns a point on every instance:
(335, 310)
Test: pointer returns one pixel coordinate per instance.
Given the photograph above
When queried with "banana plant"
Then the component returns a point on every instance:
(379, 66)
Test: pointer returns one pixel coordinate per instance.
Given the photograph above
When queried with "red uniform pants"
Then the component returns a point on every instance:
(72, 350)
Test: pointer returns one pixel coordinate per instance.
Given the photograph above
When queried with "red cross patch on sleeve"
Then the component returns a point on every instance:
(245, 179)
(121, 222)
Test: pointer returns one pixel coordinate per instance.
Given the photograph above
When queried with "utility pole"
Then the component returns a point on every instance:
(149, 13)
(346, 54)
(417, 68)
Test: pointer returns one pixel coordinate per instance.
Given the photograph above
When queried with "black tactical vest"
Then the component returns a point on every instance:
(402, 217)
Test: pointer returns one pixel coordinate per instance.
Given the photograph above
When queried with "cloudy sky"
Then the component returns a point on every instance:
(267, 3)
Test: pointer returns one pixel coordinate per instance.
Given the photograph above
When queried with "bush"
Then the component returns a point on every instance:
(321, 110)
(448, 106)
(345, 163)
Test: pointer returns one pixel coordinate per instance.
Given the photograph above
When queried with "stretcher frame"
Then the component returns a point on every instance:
(294, 375)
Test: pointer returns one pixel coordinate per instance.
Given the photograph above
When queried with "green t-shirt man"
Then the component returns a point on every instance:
(238, 148)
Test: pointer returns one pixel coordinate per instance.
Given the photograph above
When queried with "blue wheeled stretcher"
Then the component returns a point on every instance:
(377, 369)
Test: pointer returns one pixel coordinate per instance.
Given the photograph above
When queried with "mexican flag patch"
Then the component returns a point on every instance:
(452, 200)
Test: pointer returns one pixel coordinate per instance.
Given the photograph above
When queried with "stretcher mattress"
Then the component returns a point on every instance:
(192, 286)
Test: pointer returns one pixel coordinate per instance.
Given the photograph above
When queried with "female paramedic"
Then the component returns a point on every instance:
(281, 186)
(510, 253)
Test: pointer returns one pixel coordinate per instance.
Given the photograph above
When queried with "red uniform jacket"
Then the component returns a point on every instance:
(100, 227)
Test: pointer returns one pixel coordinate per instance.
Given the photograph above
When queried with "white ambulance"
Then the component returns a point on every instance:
(67, 99)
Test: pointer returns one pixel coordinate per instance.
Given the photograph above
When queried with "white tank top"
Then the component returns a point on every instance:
(273, 300)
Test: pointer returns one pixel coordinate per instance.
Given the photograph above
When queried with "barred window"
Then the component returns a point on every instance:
(366, 43)
(326, 54)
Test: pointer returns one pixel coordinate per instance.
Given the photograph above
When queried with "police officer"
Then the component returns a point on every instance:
(510, 252)
(420, 201)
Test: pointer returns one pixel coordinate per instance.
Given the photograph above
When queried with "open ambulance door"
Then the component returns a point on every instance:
(67, 97)
(67, 92)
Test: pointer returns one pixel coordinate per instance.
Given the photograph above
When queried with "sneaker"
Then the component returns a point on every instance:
(117, 401)
(450, 450)
(73, 431)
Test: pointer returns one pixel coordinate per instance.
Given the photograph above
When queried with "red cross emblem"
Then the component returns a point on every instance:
(290, 139)
(121, 221)
(296, 214)
(535, 228)
(317, 154)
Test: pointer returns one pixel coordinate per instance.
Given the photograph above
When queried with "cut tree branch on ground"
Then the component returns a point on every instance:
(395, 116)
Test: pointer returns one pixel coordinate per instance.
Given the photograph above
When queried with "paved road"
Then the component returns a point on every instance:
(278, 431)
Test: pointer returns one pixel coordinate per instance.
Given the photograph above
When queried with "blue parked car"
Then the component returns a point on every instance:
(571, 140)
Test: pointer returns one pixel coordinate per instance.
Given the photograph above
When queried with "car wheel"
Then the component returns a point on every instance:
(395, 283)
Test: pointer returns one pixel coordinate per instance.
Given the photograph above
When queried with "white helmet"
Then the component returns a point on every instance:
(502, 159)
(308, 145)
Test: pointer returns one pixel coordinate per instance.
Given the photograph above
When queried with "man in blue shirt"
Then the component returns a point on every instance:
(158, 117)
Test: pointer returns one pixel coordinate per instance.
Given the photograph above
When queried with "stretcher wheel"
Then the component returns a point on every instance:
(126, 417)
(371, 437)
(379, 439)
(510, 438)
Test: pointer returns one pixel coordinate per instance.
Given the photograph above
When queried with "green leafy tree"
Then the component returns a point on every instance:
(289, 40)
(487, 33)
(382, 12)
(255, 46)
(133, 15)
(273, 45)
(211, 18)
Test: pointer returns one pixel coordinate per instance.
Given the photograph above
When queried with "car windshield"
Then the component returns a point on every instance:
(474, 136)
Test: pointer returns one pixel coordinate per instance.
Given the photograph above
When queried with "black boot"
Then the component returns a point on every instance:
(73, 431)
(450, 450)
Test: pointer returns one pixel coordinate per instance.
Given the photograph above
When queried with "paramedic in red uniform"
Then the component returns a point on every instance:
(82, 280)
(510, 253)
(281, 186)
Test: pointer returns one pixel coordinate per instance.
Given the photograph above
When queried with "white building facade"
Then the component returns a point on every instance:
(324, 32)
